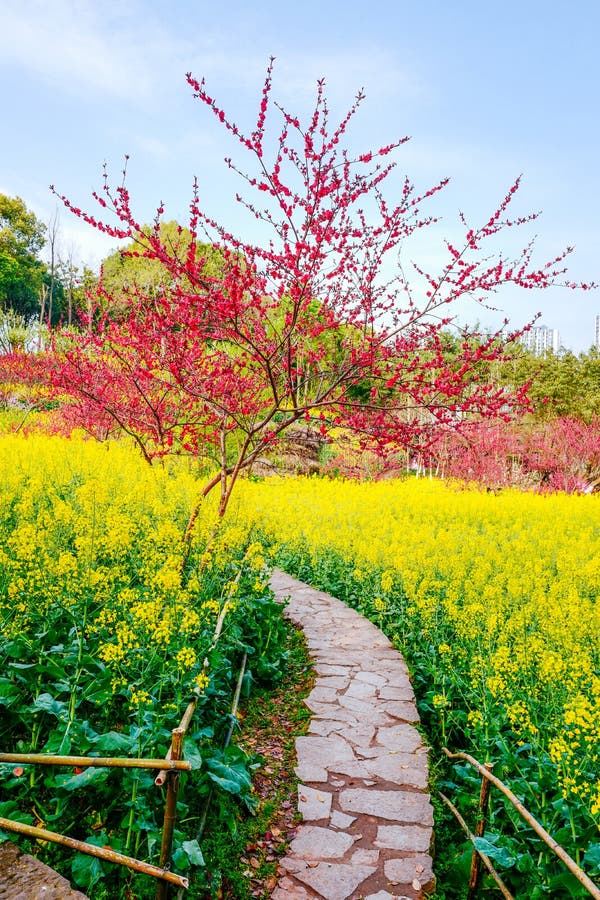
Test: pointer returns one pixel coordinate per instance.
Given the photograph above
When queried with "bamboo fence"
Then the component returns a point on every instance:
(475, 875)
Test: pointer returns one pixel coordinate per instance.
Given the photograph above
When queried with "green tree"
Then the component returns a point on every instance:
(22, 273)
(134, 270)
(561, 384)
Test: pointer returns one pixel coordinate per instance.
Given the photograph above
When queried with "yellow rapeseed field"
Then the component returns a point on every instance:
(500, 592)
(493, 597)
(112, 618)
(92, 534)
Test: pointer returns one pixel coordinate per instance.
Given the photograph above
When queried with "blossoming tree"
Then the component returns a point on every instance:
(310, 324)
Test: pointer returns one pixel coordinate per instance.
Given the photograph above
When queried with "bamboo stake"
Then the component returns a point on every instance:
(105, 853)
(162, 888)
(485, 859)
(45, 759)
(484, 797)
(183, 726)
(187, 716)
(189, 712)
(236, 700)
(234, 706)
(562, 854)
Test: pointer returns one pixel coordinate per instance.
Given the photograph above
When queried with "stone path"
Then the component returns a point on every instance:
(367, 819)
(23, 877)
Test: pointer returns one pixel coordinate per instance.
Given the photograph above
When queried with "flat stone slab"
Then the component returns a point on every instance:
(400, 769)
(403, 837)
(411, 870)
(335, 881)
(367, 818)
(399, 737)
(23, 877)
(313, 804)
(399, 806)
(341, 820)
(312, 842)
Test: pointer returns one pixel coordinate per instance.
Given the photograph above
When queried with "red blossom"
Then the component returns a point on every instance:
(306, 326)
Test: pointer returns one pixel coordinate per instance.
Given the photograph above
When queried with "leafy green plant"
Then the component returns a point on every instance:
(108, 630)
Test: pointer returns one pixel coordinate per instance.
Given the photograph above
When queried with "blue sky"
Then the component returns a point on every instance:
(486, 91)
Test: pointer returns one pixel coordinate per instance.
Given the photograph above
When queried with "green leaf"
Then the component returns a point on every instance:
(564, 883)
(47, 703)
(591, 860)
(499, 855)
(233, 779)
(143, 821)
(51, 668)
(231, 785)
(83, 779)
(87, 870)
(58, 742)
(180, 859)
(10, 810)
(16, 649)
(95, 694)
(113, 742)
(194, 853)
(191, 753)
(8, 692)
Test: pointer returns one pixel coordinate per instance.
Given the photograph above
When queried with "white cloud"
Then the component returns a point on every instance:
(88, 245)
(82, 46)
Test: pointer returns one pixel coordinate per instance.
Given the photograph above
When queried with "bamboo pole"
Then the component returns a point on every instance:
(45, 759)
(562, 854)
(105, 853)
(183, 726)
(484, 797)
(187, 716)
(234, 707)
(162, 888)
(189, 712)
(236, 700)
(485, 859)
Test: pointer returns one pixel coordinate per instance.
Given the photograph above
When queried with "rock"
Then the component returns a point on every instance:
(313, 842)
(313, 805)
(399, 806)
(335, 881)
(403, 837)
(409, 870)
(23, 877)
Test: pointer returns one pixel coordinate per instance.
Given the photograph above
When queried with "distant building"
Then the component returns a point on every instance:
(597, 338)
(539, 339)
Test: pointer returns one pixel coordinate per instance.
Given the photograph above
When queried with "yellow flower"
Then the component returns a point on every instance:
(211, 606)
(475, 718)
(517, 593)
(387, 581)
(140, 698)
(202, 681)
(439, 701)
(186, 658)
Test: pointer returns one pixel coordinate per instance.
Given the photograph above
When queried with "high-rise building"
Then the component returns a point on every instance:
(539, 339)
(597, 337)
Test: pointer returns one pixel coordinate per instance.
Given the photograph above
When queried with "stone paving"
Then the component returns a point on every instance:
(23, 877)
(367, 821)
